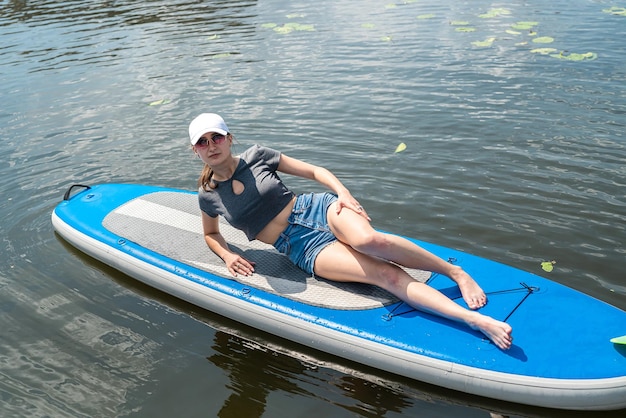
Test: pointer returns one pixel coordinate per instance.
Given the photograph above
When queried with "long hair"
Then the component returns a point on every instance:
(205, 181)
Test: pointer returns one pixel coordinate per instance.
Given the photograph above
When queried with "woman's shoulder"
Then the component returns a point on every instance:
(203, 193)
(256, 148)
(259, 152)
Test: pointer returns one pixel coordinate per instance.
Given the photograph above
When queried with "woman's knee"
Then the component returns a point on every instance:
(389, 276)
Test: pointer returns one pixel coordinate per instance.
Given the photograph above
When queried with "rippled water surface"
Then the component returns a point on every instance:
(511, 155)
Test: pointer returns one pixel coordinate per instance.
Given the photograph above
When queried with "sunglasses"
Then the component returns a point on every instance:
(216, 138)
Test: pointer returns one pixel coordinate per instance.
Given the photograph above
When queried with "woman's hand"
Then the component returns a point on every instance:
(236, 264)
(299, 168)
(345, 200)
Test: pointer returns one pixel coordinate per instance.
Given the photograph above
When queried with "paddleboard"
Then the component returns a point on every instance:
(562, 355)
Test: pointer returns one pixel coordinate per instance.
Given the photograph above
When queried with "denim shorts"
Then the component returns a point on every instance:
(308, 232)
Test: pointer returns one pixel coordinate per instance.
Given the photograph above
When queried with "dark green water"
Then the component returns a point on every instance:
(511, 155)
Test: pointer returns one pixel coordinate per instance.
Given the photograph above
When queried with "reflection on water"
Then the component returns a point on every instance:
(77, 364)
(252, 379)
(511, 155)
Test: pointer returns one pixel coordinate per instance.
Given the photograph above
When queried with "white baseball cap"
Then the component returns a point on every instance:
(206, 122)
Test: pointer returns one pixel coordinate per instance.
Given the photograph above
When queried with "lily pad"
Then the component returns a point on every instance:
(524, 25)
(459, 23)
(283, 30)
(368, 25)
(391, 6)
(484, 44)
(548, 265)
(513, 32)
(220, 56)
(426, 16)
(543, 51)
(386, 38)
(293, 26)
(295, 15)
(159, 102)
(306, 28)
(495, 13)
(269, 25)
(543, 40)
(465, 29)
(588, 56)
(617, 11)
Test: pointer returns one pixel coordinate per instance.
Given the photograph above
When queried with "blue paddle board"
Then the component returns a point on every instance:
(562, 355)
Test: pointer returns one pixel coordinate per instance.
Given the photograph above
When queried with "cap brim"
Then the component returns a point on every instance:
(197, 136)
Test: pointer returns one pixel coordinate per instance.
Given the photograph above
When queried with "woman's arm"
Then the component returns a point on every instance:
(323, 176)
(235, 263)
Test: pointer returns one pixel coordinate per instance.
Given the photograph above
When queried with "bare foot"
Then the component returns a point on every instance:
(498, 332)
(473, 295)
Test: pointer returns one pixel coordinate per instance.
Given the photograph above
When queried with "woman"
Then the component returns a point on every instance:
(324, 234)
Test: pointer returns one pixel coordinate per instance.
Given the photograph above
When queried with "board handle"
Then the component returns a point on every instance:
(67, 194)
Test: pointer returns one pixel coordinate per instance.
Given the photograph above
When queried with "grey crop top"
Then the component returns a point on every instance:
(264, 195)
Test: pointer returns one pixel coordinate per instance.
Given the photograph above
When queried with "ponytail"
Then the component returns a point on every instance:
(206, 179)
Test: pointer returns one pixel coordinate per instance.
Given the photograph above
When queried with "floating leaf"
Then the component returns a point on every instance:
(368, 25)
(306, 28)
(465, 29)
(391, 6)
(220, 56)
(295, 15)
(159, 102)
(548, 265)
(543, 51)
(386, 39)
(283, 29)
(495, 13)
(426, 16)
(484, 44)
(293, 26)
(589, 56)
(269, 25)
(513, 32)
(459, 23)
(299, 26)
(617, 11)
(524, 25)
(401, 147)
(543, 40)
(213, 37)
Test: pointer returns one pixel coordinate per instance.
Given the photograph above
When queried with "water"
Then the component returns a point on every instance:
(510, 155)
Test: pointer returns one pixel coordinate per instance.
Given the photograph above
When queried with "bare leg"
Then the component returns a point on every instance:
(356, 231)
(341, 262)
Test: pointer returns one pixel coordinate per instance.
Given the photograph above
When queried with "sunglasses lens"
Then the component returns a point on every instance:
(218, 138)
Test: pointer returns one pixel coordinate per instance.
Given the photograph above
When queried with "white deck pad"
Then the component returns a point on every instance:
(169, 223)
